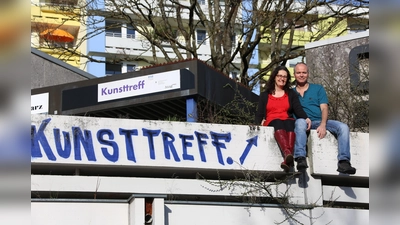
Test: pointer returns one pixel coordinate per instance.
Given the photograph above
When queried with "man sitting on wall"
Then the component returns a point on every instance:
(314, 100)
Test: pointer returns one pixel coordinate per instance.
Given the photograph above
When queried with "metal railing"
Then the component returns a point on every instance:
(60, 4)
(56, 45)
(112, 34)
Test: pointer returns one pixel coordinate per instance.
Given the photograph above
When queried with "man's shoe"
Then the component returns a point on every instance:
(344, 166)
(301, 163)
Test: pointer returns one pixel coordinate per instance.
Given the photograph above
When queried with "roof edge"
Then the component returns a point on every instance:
(61, 63)
(348, 37)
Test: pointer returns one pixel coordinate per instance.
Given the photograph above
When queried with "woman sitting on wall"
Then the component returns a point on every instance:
(276, 107)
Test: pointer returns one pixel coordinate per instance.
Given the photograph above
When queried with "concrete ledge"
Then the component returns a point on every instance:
(322, 154)
(132, 145)
(345, 194)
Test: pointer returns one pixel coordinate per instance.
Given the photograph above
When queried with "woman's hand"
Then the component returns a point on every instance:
(308, 121)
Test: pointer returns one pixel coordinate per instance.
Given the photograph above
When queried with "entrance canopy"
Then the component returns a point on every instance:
(155, 93)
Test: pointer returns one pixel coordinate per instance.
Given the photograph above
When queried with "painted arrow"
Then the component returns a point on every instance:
(252, 141)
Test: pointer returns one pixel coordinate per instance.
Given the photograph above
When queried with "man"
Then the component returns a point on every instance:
(314, 100)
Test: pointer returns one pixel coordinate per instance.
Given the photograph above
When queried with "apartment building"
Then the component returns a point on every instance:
(116, 46)
(124, 48)
(307, 29)
(55, 31)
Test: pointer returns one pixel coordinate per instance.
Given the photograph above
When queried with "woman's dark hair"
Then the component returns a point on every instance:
(270, 86)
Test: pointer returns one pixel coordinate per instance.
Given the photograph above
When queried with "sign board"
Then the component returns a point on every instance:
(40, 103)
(139, 86)
(127, 142)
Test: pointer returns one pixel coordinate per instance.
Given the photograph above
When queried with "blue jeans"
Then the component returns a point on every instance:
(339, 129)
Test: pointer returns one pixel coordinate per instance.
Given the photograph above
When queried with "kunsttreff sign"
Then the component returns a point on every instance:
(125, 88)
(144, 143)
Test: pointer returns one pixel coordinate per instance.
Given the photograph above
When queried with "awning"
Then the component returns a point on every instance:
(57, 35)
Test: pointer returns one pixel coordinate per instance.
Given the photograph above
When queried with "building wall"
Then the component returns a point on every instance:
(303, 36)
(341, 65)
(48, 71)
(182, 214)
(96, 180)
(333, 53)
(50, 14)
(122, 49)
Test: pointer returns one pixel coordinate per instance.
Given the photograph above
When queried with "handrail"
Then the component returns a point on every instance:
(112, 34)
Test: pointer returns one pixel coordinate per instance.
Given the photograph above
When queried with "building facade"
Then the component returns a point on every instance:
(341, 65)
(47, 71)
(125, 42)
(299, 28)
(56, 30)
(119, 41)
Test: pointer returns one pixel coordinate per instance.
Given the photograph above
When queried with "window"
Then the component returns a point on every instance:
(166, 40)
(201, 2)
(355, 28)
(233, 75)
(113, 29)
(355, 25)
(112, 69)
(175, 34)
(233, 39)
(60, 2)
(130, 31)
(201, 37)
(359, 69)
(55, 44)
(130, 68)
(293, 62)
(299, 24)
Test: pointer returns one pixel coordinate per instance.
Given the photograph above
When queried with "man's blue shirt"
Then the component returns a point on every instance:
(313, 97)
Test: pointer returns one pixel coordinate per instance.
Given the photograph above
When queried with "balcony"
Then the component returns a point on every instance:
(59, 6)
(56, 3)
(129, 44)
(170, 10)
(120, 35)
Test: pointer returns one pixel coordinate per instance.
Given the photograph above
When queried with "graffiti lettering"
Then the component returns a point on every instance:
(106, 144)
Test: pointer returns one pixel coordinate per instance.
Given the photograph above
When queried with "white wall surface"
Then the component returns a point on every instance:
(306, 189)
(207, 146)
(323, 153)
(217, 215)
(60, 213)
(337, 216)
(171, 186)
(137, 46)
(99, 141)
(46, 213)
(239, 215)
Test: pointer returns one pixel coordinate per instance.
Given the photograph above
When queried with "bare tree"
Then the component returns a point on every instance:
(233, 29)
(347, 102)
(259, 188)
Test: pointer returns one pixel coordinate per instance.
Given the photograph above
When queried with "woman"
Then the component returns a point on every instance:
(276, 107)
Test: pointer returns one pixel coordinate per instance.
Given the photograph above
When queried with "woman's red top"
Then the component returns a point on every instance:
(277, 108)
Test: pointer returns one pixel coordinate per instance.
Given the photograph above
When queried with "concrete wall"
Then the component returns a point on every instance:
(341, 65)
(79, 213)
(48, 71)
(333, 54)
(113, 187)
(176, 214)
